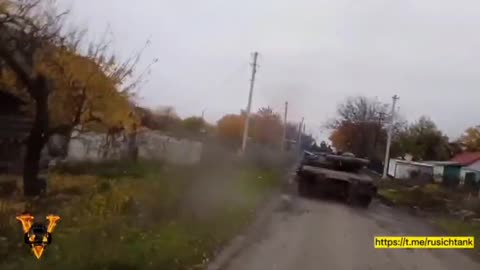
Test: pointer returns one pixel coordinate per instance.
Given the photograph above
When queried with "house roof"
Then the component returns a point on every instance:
(466, 158)
(444, 163)
(414, 163)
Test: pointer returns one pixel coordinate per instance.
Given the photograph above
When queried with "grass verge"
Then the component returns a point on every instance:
(429, 197)
(137, 216)
(442, 204)
(461, 228)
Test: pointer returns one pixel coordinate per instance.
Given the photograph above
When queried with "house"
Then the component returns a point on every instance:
(403, 169)
(446, 171)
(440, 171)
(470, 162)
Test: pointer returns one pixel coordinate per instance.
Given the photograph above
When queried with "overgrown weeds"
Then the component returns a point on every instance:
(453, 211)
(429, 197)
(137, 216)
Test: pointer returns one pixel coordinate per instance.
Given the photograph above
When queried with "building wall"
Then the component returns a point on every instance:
(404, 170)
(391, 167)
(466, 170)
(438, 173)
(152, 145)
(155, 146)
(451, 172)
(474, 166)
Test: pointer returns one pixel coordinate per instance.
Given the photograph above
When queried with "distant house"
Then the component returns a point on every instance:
(403, 169)
(447, 172)
(470, 162)
(440, 171)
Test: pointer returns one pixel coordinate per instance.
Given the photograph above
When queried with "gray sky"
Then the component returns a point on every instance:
(314, 53)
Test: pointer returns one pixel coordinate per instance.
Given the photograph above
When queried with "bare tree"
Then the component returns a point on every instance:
(360, 126)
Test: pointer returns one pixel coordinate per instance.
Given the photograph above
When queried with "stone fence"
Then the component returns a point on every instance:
(150, 145)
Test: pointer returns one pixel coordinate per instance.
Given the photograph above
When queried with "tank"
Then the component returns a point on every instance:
(340, 174)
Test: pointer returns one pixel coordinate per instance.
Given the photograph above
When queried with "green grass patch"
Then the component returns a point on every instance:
(392, 194)
(110, 169)
(461, 228)
(430, 197)
(137, 216)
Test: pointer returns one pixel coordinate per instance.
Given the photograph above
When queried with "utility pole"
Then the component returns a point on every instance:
(378, 129)
(284, 138)
(305, 132)
(389, 137)
(299, 140)
(249, 105)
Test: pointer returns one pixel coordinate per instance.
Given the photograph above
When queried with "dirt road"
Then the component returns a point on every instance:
(319, 234)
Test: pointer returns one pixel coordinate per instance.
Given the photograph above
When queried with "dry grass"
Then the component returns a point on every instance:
(137, 216)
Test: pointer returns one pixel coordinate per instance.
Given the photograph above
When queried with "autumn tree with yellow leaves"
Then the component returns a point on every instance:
(266, 128)
(84, 95)
(230, 129)
(471, 139)
(63, 87)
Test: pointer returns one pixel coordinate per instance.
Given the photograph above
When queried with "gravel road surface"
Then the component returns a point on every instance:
(306, 234)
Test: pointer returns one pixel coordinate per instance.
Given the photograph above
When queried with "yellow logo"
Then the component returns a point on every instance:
(37, 235)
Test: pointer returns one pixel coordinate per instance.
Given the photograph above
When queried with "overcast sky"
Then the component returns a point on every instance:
(313, 53)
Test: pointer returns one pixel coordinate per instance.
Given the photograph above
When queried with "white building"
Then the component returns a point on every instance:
(403, 169)
(470, 162)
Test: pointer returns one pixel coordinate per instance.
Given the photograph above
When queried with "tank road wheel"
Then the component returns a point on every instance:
(356, 200)
(303, 188)
(350, 197)
(364, 201)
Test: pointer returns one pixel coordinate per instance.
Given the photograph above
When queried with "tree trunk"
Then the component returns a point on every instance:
(36, 141)
(132, 145)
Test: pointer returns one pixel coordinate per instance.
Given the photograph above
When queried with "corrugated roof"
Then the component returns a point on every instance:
(466, 158)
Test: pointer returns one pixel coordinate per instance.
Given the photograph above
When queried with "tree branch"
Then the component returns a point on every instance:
(18, 65)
